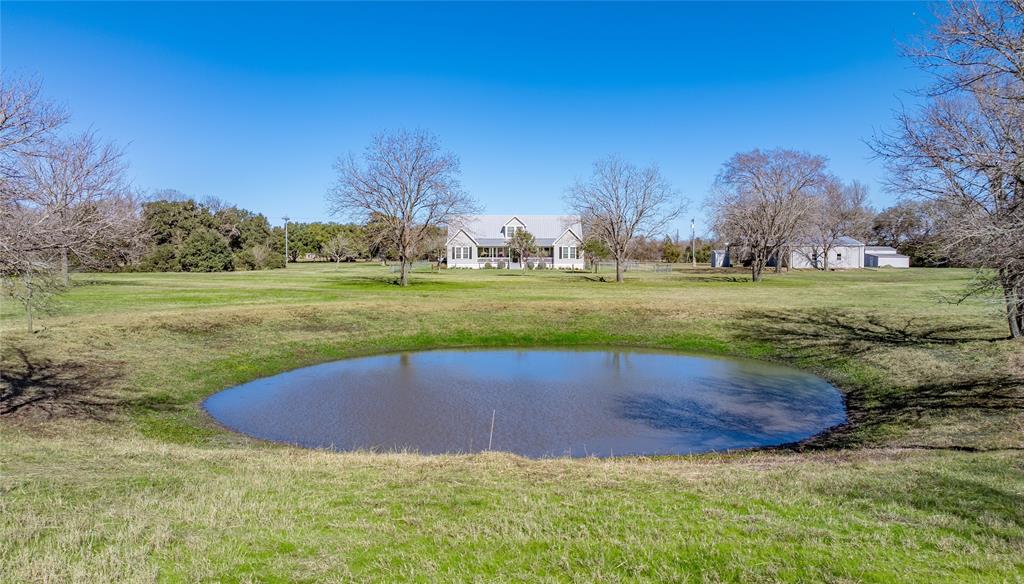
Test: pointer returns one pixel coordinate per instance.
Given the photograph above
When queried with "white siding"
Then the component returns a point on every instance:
(569, 240)
(461, 240)
(886, 260)
(841, 257)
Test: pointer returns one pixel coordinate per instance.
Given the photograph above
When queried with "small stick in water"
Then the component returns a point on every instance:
(490, 438)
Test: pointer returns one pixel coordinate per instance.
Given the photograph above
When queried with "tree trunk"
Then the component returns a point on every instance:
(403, 280)
(64, 266)
(618, 270)
(1014, 306)
(28, 300)
(756, 267)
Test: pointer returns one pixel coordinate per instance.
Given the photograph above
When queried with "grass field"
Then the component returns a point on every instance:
(110, 471)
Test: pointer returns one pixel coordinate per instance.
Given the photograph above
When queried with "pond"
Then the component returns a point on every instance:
(542, 403)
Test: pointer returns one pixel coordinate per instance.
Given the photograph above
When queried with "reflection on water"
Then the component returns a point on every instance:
(545, 403)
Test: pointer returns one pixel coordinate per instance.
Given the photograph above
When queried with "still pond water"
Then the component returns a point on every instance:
(543, 402)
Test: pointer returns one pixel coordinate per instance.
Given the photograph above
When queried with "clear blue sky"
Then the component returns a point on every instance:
(253, 102)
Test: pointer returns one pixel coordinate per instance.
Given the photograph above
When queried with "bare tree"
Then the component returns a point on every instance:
(963, 148)
(57, 197)
(34, 287)
(406, 185)
(343, 246)
(762, 200)
(976, 47)
(620, 202)
(80, 188)
(27, 121)
(911, 226)
(839, 210)
(524, 244)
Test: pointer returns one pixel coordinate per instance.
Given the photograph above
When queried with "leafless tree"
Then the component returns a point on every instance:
(524, 244)
(976, 47)
(435, 246)
(839, 210)
(27, 121)
(343, 246)
(58, 197)
(621, 201)
(963, 148)
(762, 199)
(80, 189)
(406, 185)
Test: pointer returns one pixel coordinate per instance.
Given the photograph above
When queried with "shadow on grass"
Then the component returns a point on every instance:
(852, 333)
(971, 496)
(836, 339)
(720, 278)
(34, 387)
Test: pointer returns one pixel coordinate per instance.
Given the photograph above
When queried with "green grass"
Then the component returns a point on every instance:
(109, 470)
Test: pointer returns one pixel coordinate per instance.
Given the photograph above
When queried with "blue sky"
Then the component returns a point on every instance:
(252, 102)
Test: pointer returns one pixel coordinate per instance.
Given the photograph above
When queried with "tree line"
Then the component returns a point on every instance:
(185, 235)
(956, 161)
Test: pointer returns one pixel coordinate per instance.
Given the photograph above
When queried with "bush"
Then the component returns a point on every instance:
(502, 265)
(266, 258)
(244, 260)
(488, 266)
(206, 251)
(162, 258)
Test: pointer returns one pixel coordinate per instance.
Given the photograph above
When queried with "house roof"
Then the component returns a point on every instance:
(885, 255)
(487, 229)
(842, 240)
(882, 249)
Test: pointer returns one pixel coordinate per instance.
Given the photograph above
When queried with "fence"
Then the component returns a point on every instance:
(417, 266)
(638, 266)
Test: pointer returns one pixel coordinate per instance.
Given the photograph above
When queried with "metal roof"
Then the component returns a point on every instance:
(487, 229)
(841, 240)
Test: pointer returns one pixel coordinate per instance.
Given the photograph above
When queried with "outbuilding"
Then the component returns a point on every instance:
(720, 258)
(883, 256)
(845, 253)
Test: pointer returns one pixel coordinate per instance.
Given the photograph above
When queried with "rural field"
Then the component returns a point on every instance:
(111, 471)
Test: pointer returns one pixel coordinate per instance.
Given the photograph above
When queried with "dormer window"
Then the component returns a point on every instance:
(510, 230)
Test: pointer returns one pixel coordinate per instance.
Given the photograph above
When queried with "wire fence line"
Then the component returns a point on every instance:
(639, 266)
(600, 266)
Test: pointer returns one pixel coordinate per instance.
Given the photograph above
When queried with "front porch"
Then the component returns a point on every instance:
(502, 257)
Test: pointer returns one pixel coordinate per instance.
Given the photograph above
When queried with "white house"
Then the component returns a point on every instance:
(882, 256)
(474, 241)
(847, 253)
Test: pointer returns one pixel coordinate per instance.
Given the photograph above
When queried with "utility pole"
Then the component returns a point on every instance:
(693, 239)
(286, 220)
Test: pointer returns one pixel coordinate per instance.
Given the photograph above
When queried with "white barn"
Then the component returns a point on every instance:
(883, 256)
(476, 241)
(847, 253)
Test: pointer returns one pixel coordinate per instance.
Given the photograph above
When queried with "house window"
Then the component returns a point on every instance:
(462, 253)
(510, 230)
(839, 256)
(568, 252)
